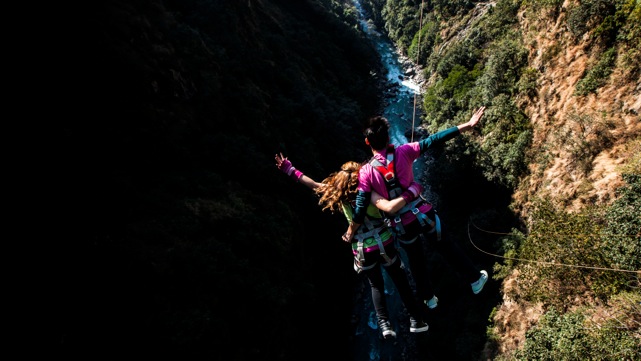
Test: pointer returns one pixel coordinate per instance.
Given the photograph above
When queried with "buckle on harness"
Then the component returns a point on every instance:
(389, 176)
(416, 211)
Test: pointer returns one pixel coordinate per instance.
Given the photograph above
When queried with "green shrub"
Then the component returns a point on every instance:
(587, 244)
(447, 97)
(558, 241)
(463, 54)
(598, 75)
(509, 246)
(503, 68)
(428, 36)
(571, 336)
(588, 14)
(535, 9)
(527, 82)
(401, 22)
(622, 234)
(500, 18)
(507, 135)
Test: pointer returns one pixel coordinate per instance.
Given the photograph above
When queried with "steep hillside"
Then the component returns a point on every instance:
(581, 144)
(587, 140)
(562, 134)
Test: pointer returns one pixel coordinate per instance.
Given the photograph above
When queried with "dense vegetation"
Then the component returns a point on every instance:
(487, 63)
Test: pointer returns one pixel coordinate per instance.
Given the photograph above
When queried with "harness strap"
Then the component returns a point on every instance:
(388, 172)
(373, 233)
(408, 241)
(411, 211)
(371, 229)
(398, 225)
(381, 249)
(437, 227)
(360, 256)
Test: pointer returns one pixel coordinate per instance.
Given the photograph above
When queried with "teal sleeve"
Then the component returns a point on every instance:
(438, 138)
(362, 202)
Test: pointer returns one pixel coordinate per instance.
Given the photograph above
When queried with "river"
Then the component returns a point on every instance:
(402, 109)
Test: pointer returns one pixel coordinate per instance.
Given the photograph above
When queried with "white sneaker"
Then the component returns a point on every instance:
(386, 329)
(418, 325)
(478, 285)
(432, 302)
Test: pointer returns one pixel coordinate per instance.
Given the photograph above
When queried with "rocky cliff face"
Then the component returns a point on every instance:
(581, 144)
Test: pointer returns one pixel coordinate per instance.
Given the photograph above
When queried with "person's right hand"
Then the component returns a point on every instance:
(412, 192)
(476, 117)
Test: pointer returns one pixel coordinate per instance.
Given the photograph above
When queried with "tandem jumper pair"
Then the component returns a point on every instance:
(374, 227)
(336, 194)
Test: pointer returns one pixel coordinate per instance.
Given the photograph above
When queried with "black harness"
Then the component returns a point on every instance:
(395, 190)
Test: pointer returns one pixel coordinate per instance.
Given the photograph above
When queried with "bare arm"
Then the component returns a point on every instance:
(393, 206)
(308, 182)
(388, 206)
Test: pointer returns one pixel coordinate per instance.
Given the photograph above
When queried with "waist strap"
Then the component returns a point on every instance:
(359, 257)
(410, 212)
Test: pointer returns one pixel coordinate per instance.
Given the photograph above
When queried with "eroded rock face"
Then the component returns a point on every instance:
(606, 124)
(588, 140)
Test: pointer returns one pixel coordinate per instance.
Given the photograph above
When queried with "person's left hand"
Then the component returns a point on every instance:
(347, 236)
(283, 163)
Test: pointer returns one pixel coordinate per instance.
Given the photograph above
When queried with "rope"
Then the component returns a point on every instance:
(418, 53)
(539, 262)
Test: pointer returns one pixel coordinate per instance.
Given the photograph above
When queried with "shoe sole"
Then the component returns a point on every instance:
(389, 335)
(420, 329)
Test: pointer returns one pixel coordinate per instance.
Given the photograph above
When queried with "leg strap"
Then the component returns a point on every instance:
(436, 227)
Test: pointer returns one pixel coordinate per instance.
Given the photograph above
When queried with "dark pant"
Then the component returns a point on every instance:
(446, 247)
(398, 276)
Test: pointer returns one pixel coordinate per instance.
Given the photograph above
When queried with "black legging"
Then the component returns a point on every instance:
(418, 260)
(398, 276)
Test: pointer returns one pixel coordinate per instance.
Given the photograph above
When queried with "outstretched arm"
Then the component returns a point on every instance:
(449, 133)
(285, 165)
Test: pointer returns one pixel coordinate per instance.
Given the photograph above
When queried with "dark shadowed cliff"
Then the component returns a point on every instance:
(176, 236)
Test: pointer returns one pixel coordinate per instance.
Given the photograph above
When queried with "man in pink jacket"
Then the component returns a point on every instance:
(389, 173)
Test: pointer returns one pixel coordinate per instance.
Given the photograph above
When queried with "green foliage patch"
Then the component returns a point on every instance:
(572, 336)
(598, 75)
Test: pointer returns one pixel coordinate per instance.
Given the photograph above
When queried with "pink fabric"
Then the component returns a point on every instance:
(371, 180)
(297, 174)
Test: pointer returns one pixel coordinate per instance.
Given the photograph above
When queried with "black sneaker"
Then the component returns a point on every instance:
(418, 325)
(386, 329)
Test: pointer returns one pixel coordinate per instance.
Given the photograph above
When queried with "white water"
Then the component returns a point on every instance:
(402, 111)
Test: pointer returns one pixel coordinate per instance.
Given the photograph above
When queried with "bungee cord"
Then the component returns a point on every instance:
(418, 53)
(536, 261)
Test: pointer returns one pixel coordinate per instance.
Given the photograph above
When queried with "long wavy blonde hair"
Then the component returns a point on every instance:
(339, 187)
